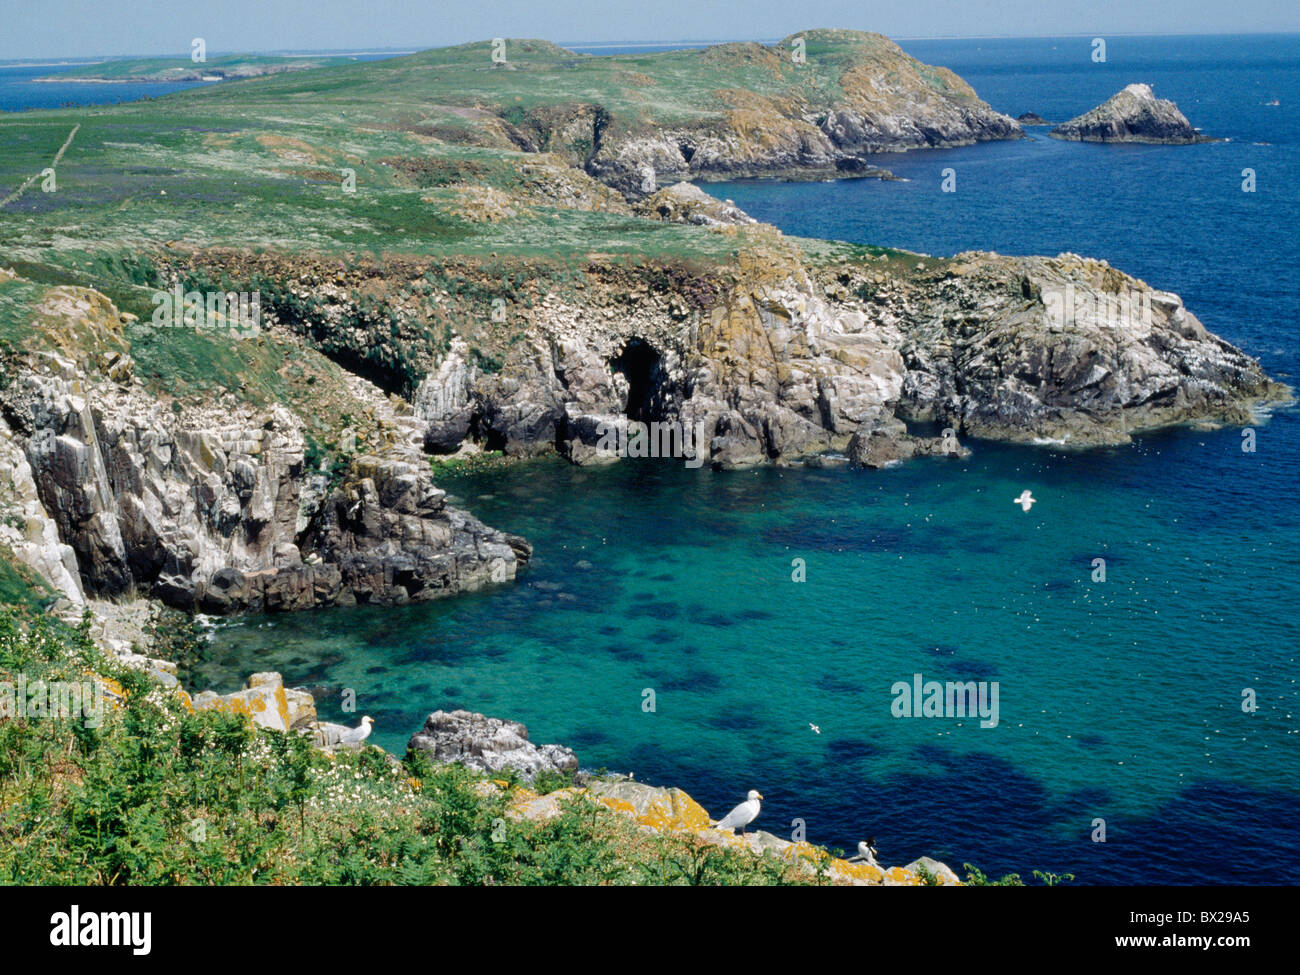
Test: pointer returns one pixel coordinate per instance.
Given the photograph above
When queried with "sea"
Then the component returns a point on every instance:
(723, 632)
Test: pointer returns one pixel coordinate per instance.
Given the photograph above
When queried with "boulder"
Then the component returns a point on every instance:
(489, 745)
(943, 873)
(266, 701)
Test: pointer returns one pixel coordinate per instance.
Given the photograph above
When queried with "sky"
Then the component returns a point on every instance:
(89, 28)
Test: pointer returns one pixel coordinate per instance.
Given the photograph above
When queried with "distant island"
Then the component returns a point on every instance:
(164, 70)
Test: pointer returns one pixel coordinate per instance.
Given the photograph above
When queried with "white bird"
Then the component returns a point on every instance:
(1026, 500)
(742, 815)
(816, 730)
(866, 853)
(355, 736)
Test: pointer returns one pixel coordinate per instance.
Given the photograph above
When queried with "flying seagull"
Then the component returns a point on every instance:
(1026, 500)
(866, 853)
(816, 730)
(355, 736)
(742, 815)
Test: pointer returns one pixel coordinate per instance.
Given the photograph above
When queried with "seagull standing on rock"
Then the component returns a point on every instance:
(355, 736)
(742, 815)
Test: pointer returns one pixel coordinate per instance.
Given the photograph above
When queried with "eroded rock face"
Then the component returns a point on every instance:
(216, 509)
(27, 529)
(1132, 115)
(489, 745)
(782, 367)
(1064, 350)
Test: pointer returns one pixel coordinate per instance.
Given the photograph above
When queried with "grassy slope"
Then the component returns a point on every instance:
(258, 162)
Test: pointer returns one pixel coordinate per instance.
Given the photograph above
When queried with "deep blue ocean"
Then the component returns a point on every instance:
(1120, 700)
(19, 91)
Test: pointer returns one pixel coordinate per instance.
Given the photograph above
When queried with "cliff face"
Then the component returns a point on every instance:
(1132, 115)
(788, 364)
(215, 508)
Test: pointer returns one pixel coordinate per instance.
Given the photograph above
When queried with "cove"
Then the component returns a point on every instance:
(1117, 699)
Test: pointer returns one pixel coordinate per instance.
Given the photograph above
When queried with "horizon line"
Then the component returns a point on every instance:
(71, 59)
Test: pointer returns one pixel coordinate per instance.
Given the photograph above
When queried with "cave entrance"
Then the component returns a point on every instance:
(639, 364)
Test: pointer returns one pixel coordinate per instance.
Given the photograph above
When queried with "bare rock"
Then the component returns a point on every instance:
(1132, 115)
(489, 745)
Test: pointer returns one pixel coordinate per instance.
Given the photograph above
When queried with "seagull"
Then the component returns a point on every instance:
(355, 736)
(742, 815)
(1026, 500)
(815, 729)
(866, 853)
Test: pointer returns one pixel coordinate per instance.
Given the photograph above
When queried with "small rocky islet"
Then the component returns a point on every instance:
(1134, 114)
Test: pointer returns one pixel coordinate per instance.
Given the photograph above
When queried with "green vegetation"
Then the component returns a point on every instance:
(158, 794)
(20, 588)
(259, 162)
(977, 878)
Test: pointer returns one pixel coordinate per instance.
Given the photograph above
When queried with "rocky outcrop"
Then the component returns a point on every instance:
(1031, 118)
(489, 745)
(687, 203)
(1132, 115)
(781, 367)
(215, 508)
(1065, 350)
(265, 701)
(669, 810)
(27, 529)
(882, 440)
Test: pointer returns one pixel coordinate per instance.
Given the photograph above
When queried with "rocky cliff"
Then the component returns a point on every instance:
(215, 507)
(790, 362)
(1132, 115)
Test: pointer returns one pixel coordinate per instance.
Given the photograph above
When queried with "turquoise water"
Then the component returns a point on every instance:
(1118, 700)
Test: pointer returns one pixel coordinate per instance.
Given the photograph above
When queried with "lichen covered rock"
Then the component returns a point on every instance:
(488, 745)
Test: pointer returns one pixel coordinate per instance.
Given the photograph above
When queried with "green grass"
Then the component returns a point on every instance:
(259, 162)
(157, 794)
(21, 589)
